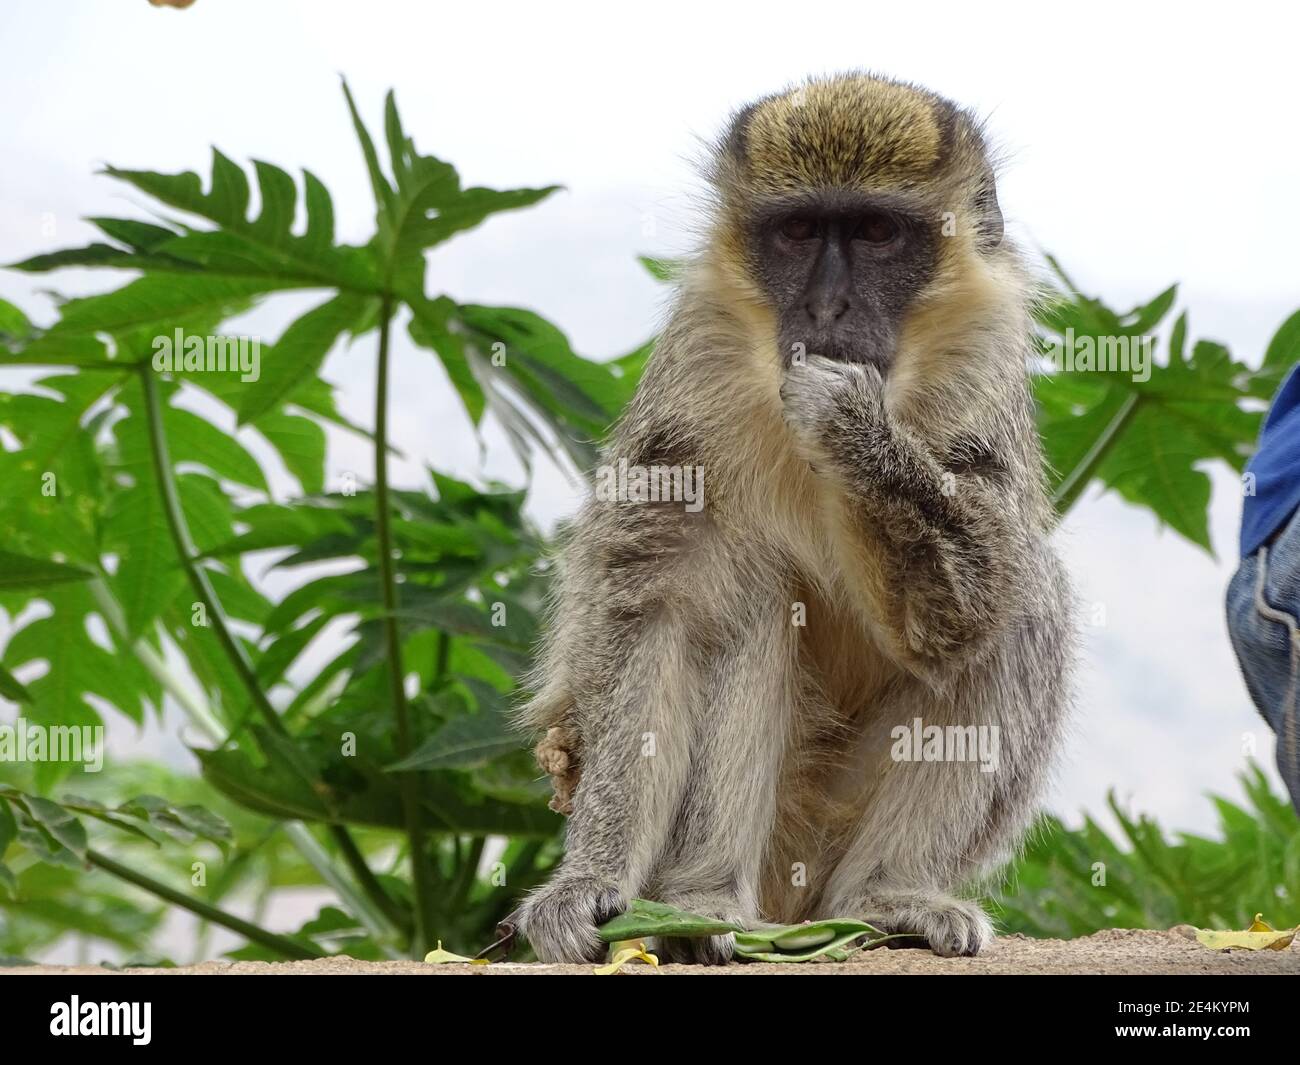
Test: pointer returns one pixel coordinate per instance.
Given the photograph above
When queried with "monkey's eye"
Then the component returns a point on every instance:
(798, 228)
(876, 228)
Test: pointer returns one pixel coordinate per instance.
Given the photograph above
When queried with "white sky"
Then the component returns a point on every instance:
(1145, 144)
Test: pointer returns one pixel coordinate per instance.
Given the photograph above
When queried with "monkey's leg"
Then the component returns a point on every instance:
(635, 756)
(909, 853)
(721, 834)
(951, 804)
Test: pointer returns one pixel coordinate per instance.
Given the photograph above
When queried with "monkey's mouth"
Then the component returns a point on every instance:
(845, 351)
(879, 359)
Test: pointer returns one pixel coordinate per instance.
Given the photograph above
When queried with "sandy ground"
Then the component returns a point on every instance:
(1116, 951)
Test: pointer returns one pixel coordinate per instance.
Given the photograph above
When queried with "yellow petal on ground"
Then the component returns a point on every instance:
(438, 956)
(624, 956)
(1259, 936)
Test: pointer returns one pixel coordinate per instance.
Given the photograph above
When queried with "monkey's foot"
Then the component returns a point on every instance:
(701, 950)
(950, 926)
(560, 919)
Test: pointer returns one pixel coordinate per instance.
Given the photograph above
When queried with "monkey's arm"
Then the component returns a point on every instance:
(634, 738)
(938, 542)
(550, 713)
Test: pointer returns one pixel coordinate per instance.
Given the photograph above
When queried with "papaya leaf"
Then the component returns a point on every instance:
(467, 741)
(156, 300)
(1140, 428)
(23, 572)
(14, 325)
(77, 666)
(297, 355)
(261, 250)
(10, 688)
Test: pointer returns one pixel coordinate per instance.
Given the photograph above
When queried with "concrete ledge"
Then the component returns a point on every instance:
(1115, 951)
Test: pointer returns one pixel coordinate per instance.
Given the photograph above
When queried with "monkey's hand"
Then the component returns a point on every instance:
(558, 755)
(824, 399)
(560, 919)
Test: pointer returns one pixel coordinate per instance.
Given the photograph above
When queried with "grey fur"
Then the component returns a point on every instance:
(736, 763)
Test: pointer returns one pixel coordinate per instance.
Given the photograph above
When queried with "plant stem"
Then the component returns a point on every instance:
(523, 870)
(409, 782)
(187, 554)
(1071, 487)
(196, 709)
(441, 658)
(366, 910)
(467, 872)
(252, 932)
(366, 877)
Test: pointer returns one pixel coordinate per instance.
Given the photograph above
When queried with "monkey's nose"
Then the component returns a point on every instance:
(827, 310)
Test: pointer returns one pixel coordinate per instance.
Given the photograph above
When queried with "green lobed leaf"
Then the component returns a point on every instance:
(297, 356)
(263, 251)
(1144, 438)
(57, 822)
(10, 688)
(24, 572)
(467, 740)
(13, 323)
(77, 666)
(157, 300)
(300, 443)
(429, 328)
(363, 794)
(666, 270)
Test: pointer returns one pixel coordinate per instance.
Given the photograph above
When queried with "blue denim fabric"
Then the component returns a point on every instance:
(1264, 624)
(1275, 469)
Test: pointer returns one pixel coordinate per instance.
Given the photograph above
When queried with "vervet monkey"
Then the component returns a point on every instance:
(729, 692)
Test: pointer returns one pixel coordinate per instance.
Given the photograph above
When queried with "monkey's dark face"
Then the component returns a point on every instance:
(841, 271)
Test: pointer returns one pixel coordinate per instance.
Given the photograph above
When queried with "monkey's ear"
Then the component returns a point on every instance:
(988, 214)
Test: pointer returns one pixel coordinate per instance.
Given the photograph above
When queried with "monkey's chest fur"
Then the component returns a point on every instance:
(747, 592)
(761, 576)
(836, 748)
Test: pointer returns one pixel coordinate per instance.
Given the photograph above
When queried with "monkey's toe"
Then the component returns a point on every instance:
(949, 926)
(957, 930)
(695, 950)
(702, 950)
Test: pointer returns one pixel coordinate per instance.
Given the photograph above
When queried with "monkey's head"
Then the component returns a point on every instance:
(844, 202)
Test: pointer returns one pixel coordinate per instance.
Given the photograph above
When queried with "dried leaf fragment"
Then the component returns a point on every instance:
(636, 952)
(1259, 936)
(438, 956)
